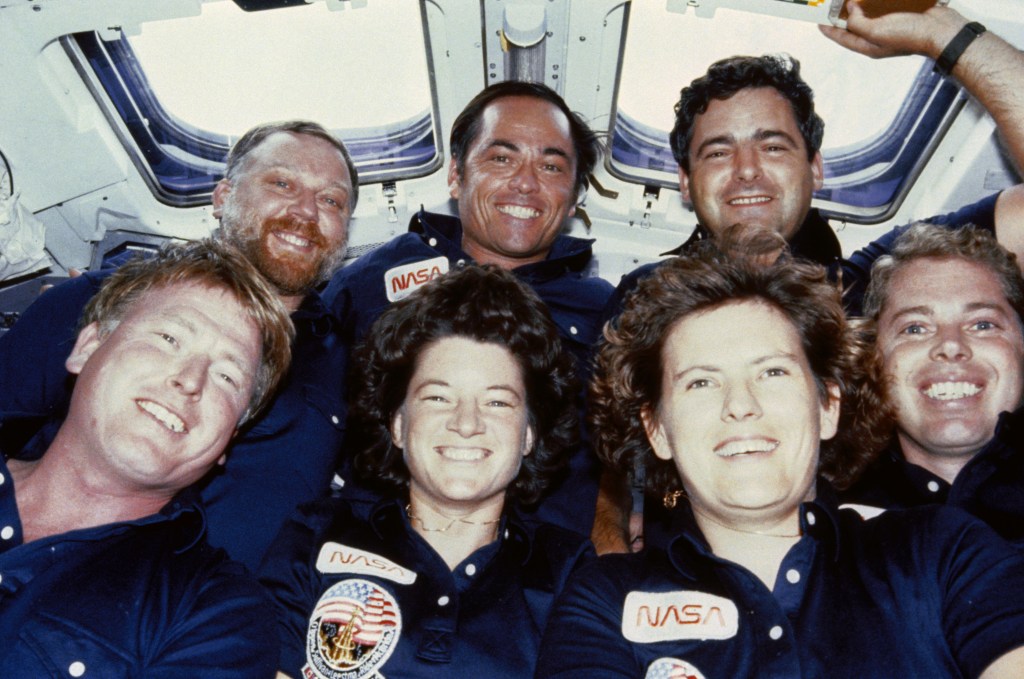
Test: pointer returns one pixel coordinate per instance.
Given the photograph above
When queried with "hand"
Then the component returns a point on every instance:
(636, 531)
(898, 33)
(72, 273)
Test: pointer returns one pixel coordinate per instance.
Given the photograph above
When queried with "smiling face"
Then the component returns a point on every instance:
(954, 353)
(158, 398)
(741, 414)
(748, 165)
(518, 183)
(464, 425)
(288, 211)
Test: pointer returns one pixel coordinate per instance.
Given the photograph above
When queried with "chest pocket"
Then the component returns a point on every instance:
(50, 646)
(301, 406)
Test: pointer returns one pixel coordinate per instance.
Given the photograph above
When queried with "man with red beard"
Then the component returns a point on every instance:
(285, 201)
(945, 310)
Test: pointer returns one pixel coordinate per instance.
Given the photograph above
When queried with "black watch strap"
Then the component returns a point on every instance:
(956, 47)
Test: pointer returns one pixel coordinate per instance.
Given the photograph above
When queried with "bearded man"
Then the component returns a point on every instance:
(287, 195)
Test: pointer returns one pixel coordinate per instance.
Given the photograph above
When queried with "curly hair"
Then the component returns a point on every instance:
(214, 264)
(627, 380)
(968, 243)
(482, 303)
(728, 76)
(466, 127)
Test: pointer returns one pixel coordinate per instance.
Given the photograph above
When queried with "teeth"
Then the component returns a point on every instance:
(297, 241)
(518, 211)
(163, 415)
(462, 454)
(742, 447)
(950, 391)
(749, 201)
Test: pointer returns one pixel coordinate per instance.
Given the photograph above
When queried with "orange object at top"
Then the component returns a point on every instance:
(876, 8)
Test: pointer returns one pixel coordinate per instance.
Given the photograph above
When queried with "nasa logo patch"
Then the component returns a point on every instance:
(335, 557)
(648, 617)
(401, 281)
(352, 631)
(672, 668)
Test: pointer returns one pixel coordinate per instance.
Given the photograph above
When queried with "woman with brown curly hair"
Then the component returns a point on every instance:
(467, 402)
(735, 384)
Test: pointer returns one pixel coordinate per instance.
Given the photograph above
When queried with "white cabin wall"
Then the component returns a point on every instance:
(73, 172)
(68, 163)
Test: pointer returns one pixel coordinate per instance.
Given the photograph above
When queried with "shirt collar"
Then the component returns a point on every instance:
(815, 240)
(314, 312)
(568, 253)
(1006, 442)
(187, 511)
(819, 520)
(388, 519)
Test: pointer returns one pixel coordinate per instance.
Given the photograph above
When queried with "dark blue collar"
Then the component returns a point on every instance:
(444, 234)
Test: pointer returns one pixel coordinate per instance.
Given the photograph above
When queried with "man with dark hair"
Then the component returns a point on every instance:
(285, 202)
(520, 158)
(945, 311)
(747, 140)
(104, 562)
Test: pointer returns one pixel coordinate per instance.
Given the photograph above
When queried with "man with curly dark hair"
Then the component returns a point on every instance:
(466, 399)
(748, 141)
(945, 311)
(738, 387)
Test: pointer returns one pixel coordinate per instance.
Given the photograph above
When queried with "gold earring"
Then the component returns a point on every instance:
(671, 497)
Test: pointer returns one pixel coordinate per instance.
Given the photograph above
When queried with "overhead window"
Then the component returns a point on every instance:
(185, 89)
(882, 117)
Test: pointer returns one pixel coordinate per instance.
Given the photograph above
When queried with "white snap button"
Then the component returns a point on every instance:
(7, 533)
(793, 575)
(775, 633)
(432, 242)
(933, 486)
(471, 569)
(334, 419)
(573, 330)
(443, 601)
(461, 262)
(77, 668)
(2, 479)
(811, 518)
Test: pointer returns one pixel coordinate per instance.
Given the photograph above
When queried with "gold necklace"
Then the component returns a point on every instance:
(741, 530)
(451, 521)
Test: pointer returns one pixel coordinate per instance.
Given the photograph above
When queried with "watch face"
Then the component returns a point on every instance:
(6, 180)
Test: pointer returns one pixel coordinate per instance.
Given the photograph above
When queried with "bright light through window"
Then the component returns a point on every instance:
(226, 70)
(666, 50)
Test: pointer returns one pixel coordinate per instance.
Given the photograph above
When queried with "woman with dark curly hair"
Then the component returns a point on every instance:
(737, 386)
(468, 405)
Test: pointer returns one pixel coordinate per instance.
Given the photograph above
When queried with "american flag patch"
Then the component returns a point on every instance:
(672, 668)
(352, 630)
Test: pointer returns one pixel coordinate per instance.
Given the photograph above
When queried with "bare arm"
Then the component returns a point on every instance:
(611, 516)
(990, 69)
(1008, 666)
